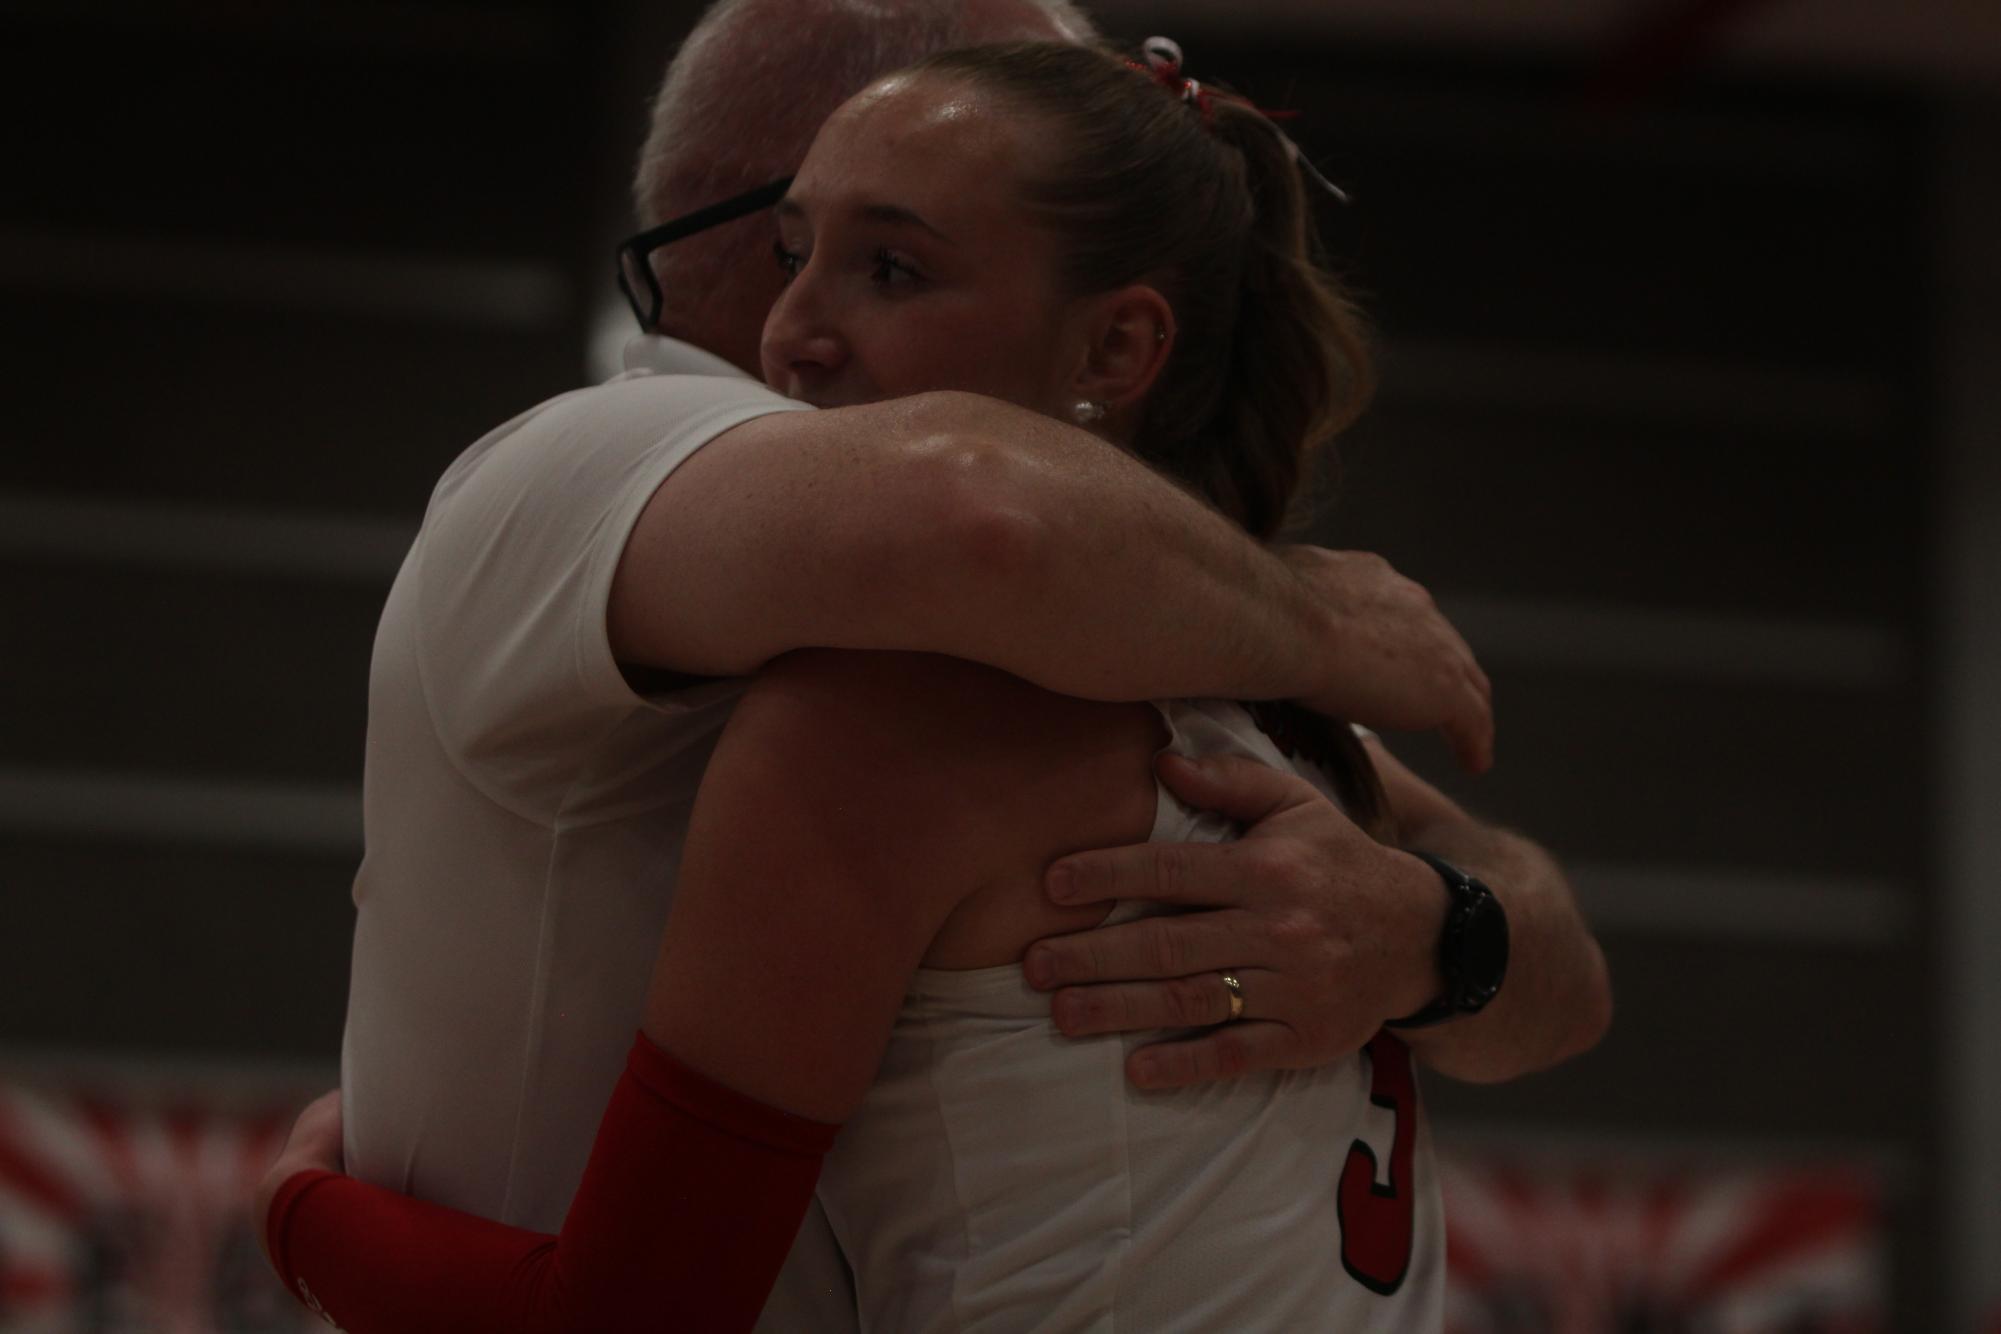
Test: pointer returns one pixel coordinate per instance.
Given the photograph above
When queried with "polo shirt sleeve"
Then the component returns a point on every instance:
(511, 573)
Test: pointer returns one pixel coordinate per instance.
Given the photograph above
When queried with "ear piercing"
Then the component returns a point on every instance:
(1087, 410)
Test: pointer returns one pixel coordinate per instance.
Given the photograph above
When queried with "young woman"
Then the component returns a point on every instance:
(1110, 243)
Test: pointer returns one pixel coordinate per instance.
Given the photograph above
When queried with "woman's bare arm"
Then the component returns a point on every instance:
(854, 803)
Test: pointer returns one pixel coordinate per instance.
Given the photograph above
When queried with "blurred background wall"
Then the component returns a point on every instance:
(1691, 318)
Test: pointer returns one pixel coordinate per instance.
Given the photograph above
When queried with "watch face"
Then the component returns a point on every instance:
(1484, 948)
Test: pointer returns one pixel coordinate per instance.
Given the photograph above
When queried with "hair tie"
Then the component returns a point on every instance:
(1163, 66)
(1163, 61)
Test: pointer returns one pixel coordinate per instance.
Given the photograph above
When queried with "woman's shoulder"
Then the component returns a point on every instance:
(958, 715)
(979, 778)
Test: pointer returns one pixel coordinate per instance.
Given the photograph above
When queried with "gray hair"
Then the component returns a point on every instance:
(754, 80)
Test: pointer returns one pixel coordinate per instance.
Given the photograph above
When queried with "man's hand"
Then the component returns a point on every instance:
(315, 1142)
(1398, 664)
(1329, 933)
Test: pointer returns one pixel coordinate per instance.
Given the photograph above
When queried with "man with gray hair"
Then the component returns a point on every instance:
(741, 103)
(594, 579)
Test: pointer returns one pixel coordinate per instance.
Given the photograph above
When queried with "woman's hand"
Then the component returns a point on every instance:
(315, 1143)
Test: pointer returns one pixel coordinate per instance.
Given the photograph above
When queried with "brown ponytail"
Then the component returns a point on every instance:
(1205, 203)
(1299, 369)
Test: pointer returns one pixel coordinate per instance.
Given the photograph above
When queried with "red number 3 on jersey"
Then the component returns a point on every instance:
(1377, 1219)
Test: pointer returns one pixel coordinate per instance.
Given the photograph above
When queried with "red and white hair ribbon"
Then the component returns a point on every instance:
(1163, 66)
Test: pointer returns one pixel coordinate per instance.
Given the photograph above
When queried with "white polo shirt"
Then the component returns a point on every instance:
(525, 809)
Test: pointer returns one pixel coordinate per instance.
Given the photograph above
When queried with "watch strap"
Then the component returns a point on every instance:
(1462, 994)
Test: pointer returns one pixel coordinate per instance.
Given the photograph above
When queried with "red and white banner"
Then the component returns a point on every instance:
(1591, 1246)
(127, 1212)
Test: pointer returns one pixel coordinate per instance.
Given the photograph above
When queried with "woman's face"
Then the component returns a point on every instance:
(913, 263)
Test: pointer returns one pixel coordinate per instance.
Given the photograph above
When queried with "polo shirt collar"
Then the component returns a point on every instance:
(657, 354)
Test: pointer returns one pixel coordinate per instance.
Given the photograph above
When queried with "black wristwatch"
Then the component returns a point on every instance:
(1472, 949)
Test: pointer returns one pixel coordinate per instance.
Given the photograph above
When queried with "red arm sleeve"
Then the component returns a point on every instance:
(686, 1212)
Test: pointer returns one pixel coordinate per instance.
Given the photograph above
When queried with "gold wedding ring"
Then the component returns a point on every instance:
(1236, 995)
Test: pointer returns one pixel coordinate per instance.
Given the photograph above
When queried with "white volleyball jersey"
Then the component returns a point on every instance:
(1002, 1177)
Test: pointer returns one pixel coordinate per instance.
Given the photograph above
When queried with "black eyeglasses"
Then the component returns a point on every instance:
(635, 269)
